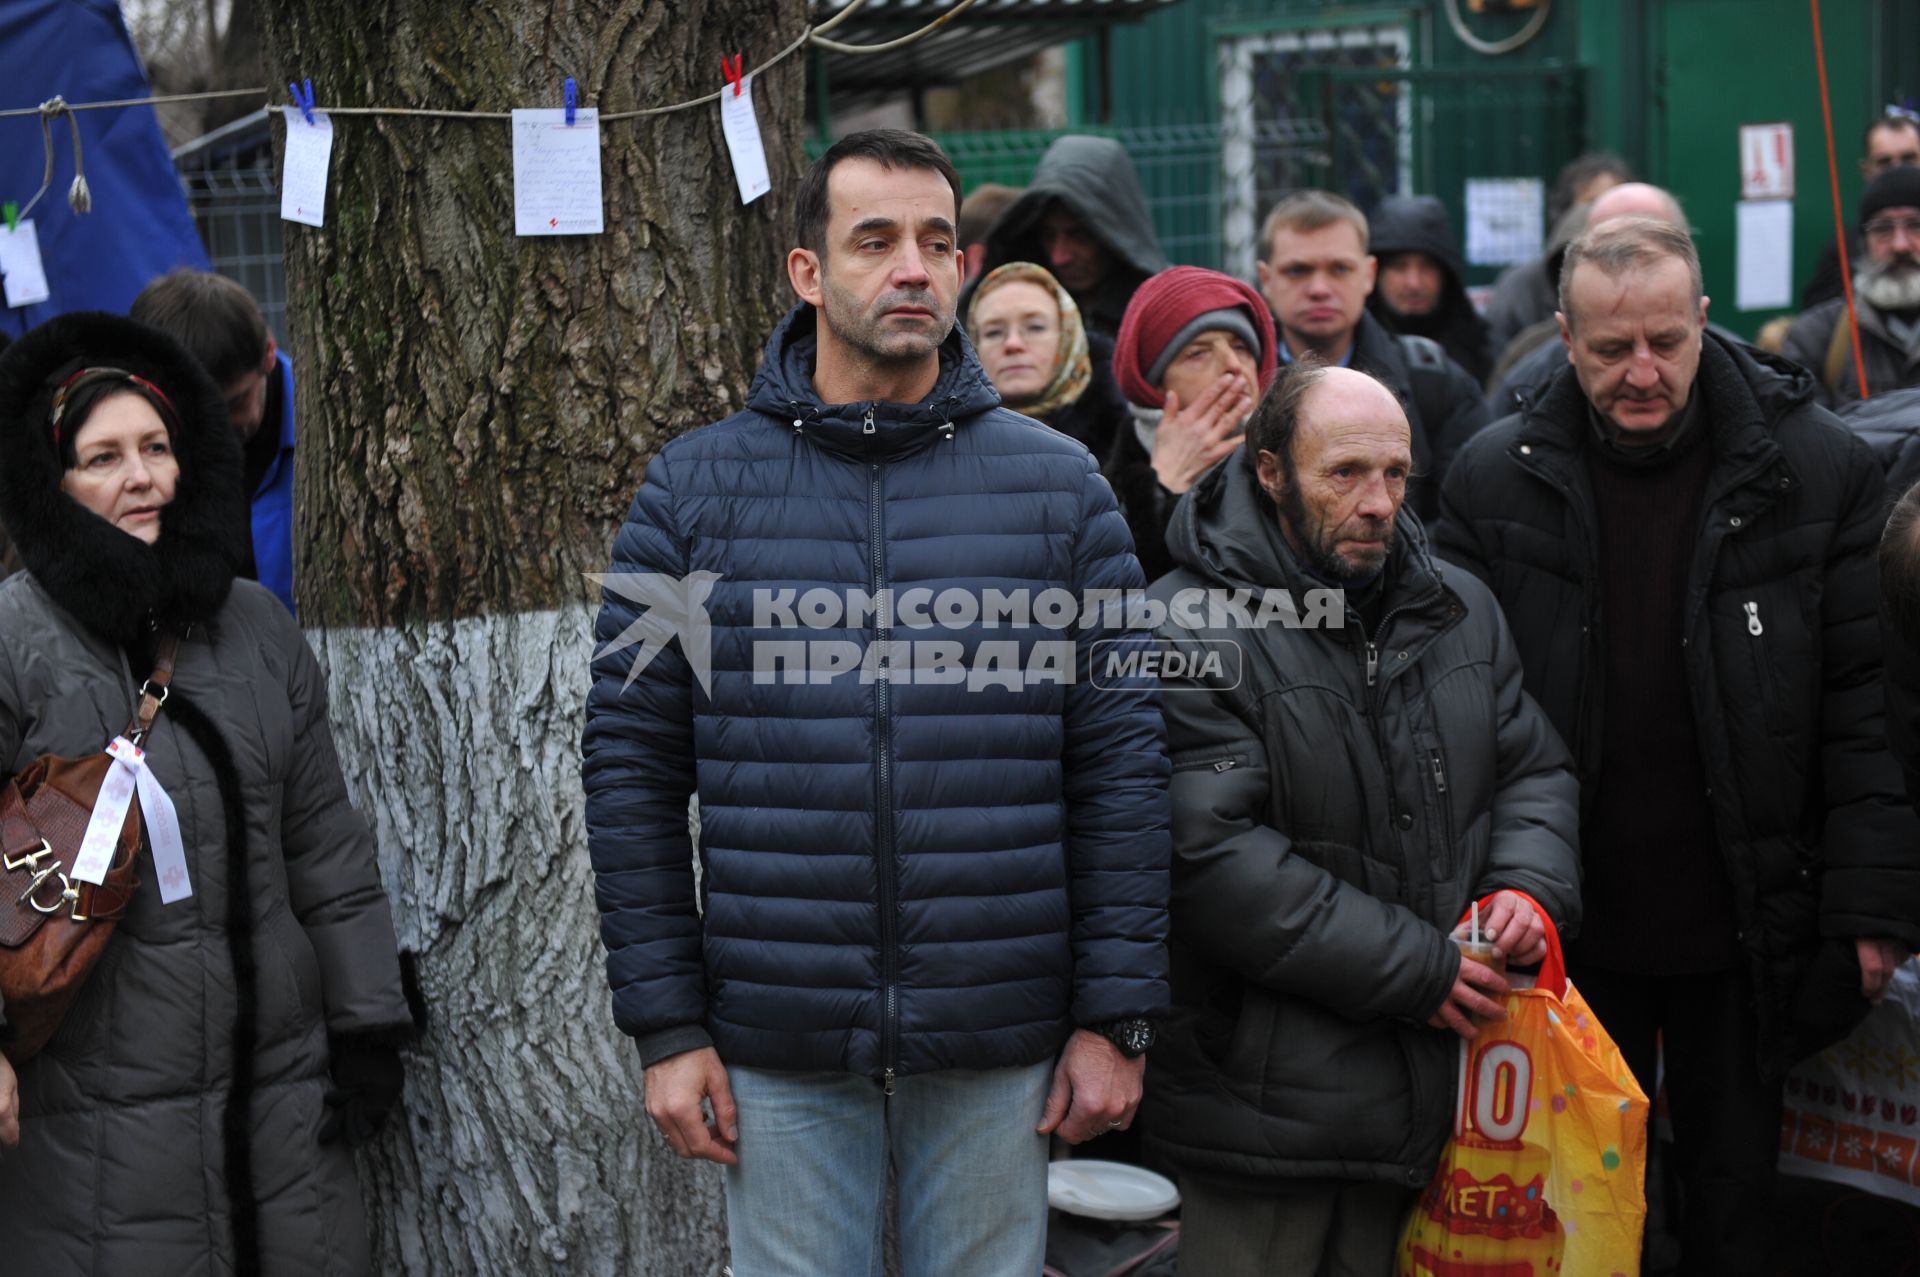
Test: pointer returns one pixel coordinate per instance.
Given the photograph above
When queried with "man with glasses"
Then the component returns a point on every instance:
(1892, 139)
(1886, 296)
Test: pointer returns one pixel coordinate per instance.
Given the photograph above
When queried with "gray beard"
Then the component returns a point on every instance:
(1889, 286)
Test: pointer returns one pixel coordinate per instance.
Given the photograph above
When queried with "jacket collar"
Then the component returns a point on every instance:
(873, 430)
(1227, 531)
(1743, 396)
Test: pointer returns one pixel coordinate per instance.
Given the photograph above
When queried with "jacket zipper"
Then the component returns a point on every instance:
(1437, 768)
(1762, 674)
(883, 804)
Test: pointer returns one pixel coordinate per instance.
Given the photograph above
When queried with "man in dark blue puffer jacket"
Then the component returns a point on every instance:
(929, 922)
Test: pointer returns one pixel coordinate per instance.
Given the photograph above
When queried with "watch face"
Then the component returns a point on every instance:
(1133, 1037)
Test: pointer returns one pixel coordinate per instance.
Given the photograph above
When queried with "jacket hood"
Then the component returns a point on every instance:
(110, 582)
(1093, 177)
(1226, 531)
(783, 389)
(1415, 224)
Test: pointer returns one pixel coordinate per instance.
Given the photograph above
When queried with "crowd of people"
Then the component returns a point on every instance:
(1612, 627)
(1607, 657)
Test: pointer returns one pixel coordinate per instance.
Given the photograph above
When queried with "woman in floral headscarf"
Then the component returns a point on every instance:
(1041, 358)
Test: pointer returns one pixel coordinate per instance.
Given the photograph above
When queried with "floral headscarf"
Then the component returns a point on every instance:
(1072, 365)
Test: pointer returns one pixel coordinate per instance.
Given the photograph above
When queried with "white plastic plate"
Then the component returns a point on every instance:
(1109, 1190)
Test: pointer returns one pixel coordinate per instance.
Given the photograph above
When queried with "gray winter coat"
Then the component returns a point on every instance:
(1339, 799)
(1890, 364)
(174, 1118)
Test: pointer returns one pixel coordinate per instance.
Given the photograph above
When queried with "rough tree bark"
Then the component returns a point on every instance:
(475, 414)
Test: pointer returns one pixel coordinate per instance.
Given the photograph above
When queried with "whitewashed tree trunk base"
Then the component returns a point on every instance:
(524, 1147)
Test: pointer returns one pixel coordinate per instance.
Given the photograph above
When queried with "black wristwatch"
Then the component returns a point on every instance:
(1132, 1037)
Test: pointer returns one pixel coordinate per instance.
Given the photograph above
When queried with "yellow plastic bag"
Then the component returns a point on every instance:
(1545, 1173)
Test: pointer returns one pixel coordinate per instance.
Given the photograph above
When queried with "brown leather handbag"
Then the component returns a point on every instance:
(53, 930)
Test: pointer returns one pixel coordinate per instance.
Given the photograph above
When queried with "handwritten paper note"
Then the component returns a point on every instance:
(1504, 216)
(26, 276)
(556, 172)
(303, 181)
(742, 129)
(1763, 255)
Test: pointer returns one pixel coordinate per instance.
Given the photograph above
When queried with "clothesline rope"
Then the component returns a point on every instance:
(811, 35)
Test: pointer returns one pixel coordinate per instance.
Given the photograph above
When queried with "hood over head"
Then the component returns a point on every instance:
(1094, 178)
(1416, 224)
(113, 583)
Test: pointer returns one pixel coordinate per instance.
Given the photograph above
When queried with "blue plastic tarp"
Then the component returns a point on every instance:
(140, 226)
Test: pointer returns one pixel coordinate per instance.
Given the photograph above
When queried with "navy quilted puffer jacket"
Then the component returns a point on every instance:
(897, 874)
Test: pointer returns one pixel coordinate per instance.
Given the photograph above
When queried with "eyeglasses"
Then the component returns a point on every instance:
(1032, 330)
(1886, 228)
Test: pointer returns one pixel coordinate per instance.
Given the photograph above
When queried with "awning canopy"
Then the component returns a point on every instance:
(990, 34)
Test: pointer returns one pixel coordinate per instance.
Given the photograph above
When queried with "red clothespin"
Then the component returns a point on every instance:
(733, 71)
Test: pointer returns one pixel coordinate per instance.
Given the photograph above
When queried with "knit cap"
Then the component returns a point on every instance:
(1170, 310)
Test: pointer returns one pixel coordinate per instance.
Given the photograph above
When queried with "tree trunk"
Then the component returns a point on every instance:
(475, 414)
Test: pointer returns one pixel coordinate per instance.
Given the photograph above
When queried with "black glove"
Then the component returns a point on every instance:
(367, 1080)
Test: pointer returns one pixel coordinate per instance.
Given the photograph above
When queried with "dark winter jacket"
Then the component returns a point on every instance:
(1101, 412)
(1095, 179)
(1444, 404)
(1890, 364)
(1340, 797)
(896, 875)
(1418, 224)
(1890, 424)
(1782, 652)
(1144, 500)
(172, 1125)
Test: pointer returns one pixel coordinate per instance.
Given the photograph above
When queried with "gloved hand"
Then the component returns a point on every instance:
(367, 1081)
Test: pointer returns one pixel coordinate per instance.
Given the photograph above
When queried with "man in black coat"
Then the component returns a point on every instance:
(1684, 546)
(1422, 286)
(1346, 785)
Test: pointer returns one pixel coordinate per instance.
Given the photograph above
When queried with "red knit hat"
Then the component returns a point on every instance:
(1168, 303)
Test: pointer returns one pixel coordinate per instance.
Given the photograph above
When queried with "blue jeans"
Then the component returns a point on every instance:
(808, 1198)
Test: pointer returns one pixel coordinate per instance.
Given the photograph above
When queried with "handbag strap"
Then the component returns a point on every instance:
(153, 692)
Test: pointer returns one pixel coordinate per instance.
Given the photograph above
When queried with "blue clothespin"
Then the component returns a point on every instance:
(570, 103)
(305, 103)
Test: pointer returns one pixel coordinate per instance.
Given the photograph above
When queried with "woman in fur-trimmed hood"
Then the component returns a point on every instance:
(193, 1111)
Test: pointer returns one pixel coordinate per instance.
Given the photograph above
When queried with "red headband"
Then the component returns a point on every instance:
(93, 376)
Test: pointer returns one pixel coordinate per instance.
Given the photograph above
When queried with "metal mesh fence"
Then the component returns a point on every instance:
(238, 213)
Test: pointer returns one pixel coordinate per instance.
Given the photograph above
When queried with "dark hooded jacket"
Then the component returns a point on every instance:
(897, 875)
(1340, 797)
(172, 1124)
(1095, 179)
(1418, 224)
(1782, 656)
